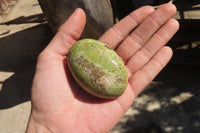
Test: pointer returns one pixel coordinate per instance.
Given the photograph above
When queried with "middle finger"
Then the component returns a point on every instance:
(145, 30)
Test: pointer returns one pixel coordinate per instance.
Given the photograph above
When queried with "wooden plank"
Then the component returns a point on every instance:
(99, 14)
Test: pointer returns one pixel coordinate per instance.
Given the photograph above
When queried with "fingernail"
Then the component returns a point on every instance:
(77, 11)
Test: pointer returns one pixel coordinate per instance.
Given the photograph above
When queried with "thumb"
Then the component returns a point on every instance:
(68, 33)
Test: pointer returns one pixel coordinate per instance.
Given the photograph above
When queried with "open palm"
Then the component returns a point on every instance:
(59, 105)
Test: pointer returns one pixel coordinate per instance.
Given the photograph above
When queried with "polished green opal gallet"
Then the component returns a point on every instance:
(97, 69)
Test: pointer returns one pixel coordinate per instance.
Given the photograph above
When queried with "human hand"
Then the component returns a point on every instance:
(59, 105)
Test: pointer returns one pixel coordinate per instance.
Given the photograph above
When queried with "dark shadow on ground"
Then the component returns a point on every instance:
(18, 54)
(186, 43)
(172, 115)
(189, 30)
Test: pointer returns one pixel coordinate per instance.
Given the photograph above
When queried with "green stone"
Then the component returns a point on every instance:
(97, 69)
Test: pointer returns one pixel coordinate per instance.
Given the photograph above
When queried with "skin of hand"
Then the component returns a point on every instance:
(59, 105)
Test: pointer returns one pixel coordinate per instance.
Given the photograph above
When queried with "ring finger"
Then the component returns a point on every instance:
(137, 39)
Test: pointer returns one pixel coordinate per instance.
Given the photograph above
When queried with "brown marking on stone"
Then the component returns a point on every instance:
(96, 74)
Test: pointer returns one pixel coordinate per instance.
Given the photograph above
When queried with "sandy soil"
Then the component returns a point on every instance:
(170, 104)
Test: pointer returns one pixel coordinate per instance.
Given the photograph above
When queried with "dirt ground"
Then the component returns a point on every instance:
(170, 104)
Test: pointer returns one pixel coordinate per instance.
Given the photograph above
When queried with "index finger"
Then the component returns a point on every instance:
(121, 30)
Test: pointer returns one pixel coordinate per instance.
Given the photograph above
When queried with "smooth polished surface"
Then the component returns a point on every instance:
(98, 69)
